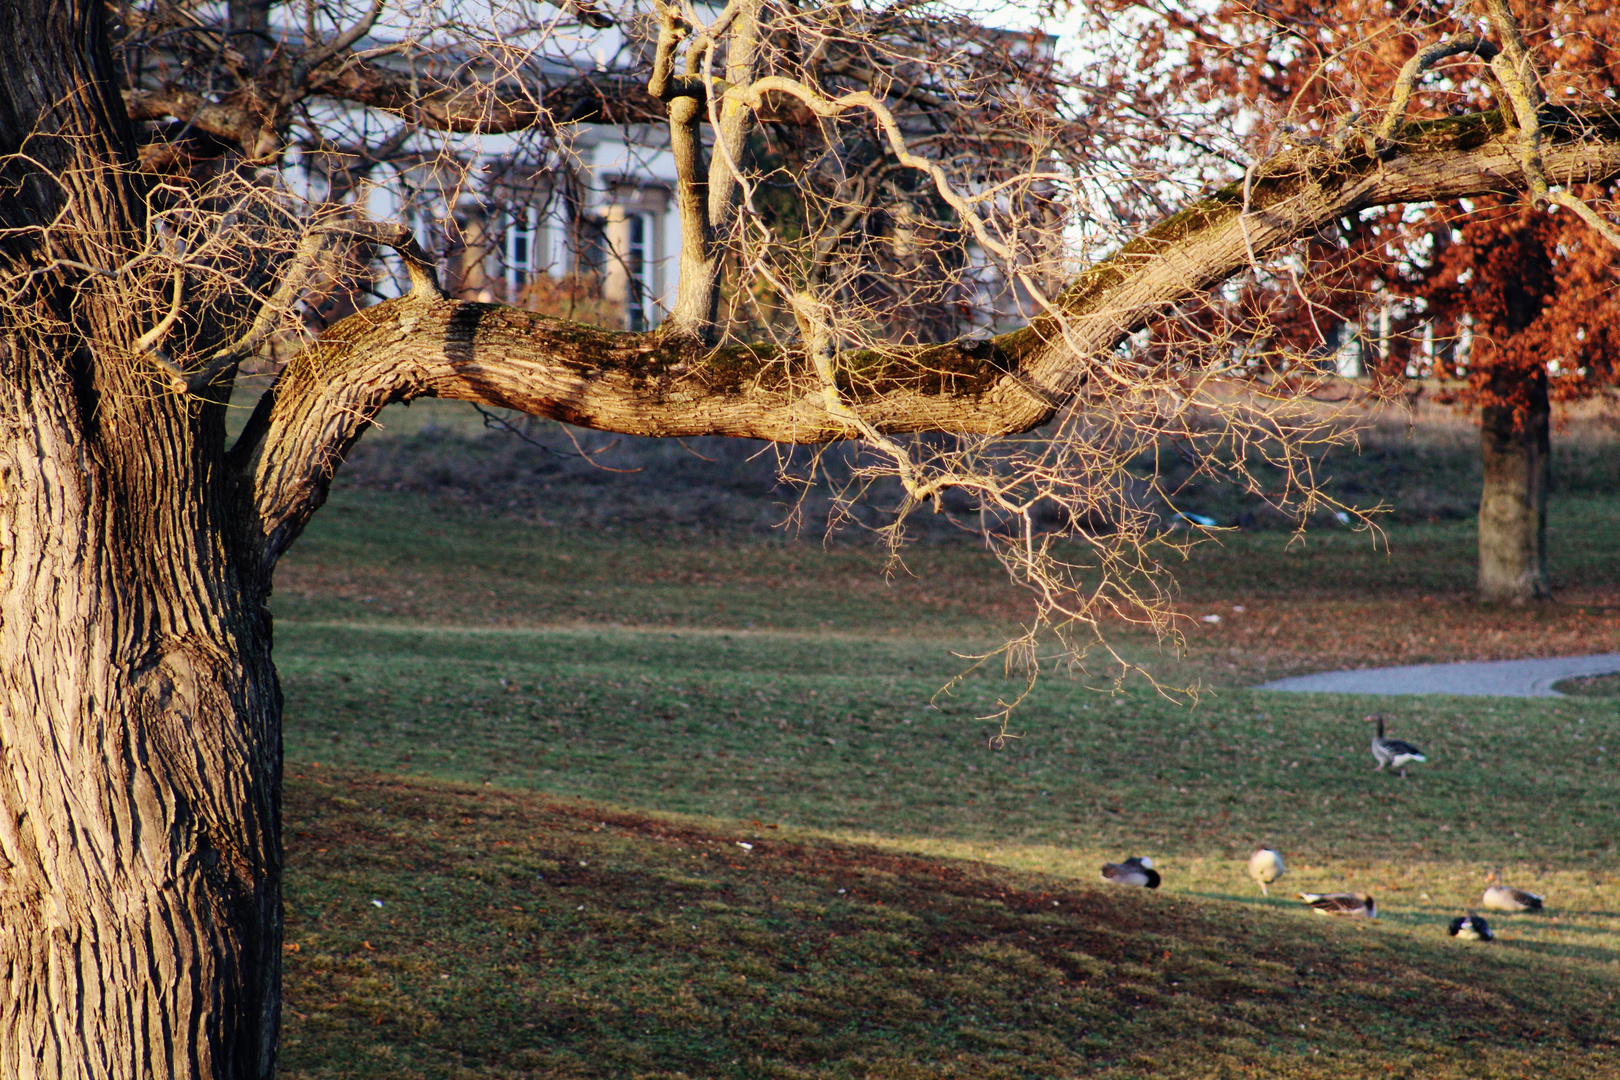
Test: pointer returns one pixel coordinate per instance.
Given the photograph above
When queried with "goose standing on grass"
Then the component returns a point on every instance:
(1133, 871)
(1392, 751)
(1500, 897)
(1266, 866)
(1471, 927)
(1349, 905)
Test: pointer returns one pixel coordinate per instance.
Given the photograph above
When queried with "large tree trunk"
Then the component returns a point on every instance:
(140, 718)
(1517, 452)
(139, 712)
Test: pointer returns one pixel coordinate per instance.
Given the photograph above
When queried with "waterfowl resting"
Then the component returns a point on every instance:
(1392, 751)
(1266, 866)
(1471, 927)
(1133, 871)
(1500, 897)
(1349, 905)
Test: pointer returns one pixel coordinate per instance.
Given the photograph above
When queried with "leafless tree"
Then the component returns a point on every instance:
(141, 266)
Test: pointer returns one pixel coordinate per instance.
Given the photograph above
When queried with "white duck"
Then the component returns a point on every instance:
(1471, 927)
(1392, 751)
(1266, 866)
(1135, 870)
(1500, 897)
(1349, 905)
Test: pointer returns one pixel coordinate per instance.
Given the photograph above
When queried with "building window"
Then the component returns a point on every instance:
(589, 246)
(522, 256)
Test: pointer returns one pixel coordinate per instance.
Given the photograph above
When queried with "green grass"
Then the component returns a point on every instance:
(538, 746)
(1590, 686)
(1410, 559)
(385, 556)
(464, 932)
(843, 733)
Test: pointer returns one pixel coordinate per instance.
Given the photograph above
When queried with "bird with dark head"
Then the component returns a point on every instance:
(1136, 870)
(1471, 927)
(1392, 751)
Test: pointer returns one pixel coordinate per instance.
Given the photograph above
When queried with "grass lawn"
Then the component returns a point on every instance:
(523, 758)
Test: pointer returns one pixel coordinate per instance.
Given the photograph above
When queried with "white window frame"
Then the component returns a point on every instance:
(638, 257)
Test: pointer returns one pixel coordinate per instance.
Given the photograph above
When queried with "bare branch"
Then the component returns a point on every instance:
(419, 265)
(588, 13)
(1516, 72)
(1521, 82)
(295, 275)
(731, 119)
(312, 60)
(655, 385)
(1588, 215)
(1407, 81)
(471, 106)
(697, 287)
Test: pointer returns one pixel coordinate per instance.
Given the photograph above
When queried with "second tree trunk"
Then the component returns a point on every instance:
(1516, 451)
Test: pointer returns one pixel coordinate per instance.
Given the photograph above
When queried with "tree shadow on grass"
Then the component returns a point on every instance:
(432, 927)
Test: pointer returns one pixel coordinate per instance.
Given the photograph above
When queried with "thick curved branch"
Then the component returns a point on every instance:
(652, 384)
(1296, 194)
(226, 121)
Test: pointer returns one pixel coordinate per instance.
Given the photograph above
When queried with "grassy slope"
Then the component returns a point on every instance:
(758, 680)
(478, 932)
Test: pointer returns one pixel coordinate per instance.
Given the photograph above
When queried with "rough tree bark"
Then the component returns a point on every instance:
(139, 712)
(1517, 452)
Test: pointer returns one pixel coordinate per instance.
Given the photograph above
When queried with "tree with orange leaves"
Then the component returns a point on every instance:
(1514, 305)
(1534, 296)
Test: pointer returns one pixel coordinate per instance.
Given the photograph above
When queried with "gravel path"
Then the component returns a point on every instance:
(1495, 678)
